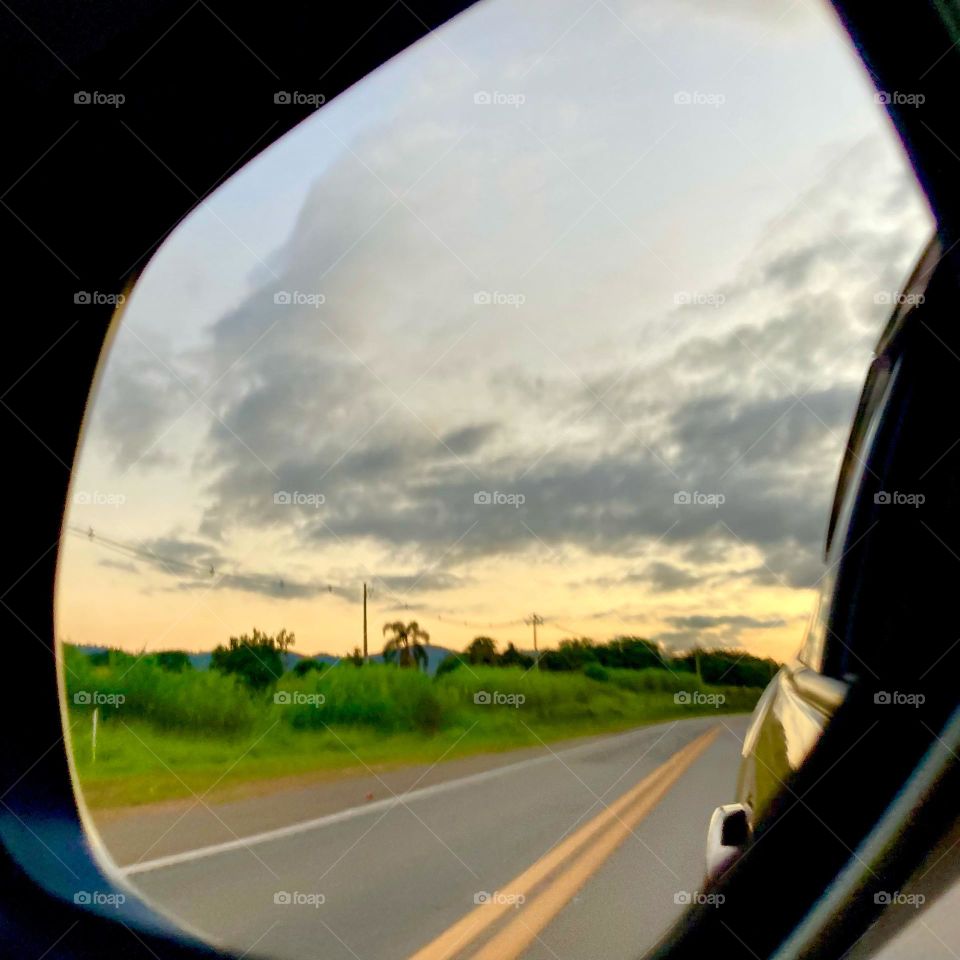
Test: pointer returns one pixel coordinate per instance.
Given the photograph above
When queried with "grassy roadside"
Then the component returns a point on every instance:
(137, 764)
(165, 736)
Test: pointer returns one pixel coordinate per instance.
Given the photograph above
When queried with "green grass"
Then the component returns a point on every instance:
(200, 732)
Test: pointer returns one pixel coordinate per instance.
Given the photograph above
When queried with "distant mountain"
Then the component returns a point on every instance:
(199, 660)
(435, 656)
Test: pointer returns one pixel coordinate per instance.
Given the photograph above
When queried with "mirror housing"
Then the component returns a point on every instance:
(728, 835)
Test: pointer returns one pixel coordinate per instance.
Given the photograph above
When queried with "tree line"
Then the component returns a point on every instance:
(257, 659)
(713, 666)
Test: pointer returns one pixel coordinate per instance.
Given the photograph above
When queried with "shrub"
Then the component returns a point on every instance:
(595, 672)
(199, 702)
(305, 666)
(257, 660)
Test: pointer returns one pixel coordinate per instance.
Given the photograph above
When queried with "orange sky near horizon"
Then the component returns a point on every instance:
(109, 606)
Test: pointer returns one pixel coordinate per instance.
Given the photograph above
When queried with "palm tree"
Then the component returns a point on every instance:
(405, 646)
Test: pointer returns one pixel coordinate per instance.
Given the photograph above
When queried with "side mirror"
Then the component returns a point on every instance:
(727, 837)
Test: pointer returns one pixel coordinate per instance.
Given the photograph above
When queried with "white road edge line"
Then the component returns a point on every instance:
(241, 843)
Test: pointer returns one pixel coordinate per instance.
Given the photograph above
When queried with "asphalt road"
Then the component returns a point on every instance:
(573, 851)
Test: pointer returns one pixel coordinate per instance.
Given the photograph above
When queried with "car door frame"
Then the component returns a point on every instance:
(84, 211)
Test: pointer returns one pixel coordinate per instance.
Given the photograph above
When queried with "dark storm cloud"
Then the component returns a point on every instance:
(663, 577)
(791, 564)
(407, 488)
(194, 565)
(403, 485)
(667, 577)
(726, 434)
(466, 440)
(139, 402)
(794, 267)
(753, 408)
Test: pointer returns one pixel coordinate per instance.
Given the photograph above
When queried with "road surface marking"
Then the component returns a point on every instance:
(279, 833)
(617, 819)
(514, 939)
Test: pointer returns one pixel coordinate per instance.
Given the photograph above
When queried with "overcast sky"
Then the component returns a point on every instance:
(586, 259)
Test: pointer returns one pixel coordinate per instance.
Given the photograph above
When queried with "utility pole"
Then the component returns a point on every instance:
(364, 623)
(535, 619)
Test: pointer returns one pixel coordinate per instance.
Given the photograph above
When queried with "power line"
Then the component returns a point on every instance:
(211, 571)
(454, 619)
(203, 571)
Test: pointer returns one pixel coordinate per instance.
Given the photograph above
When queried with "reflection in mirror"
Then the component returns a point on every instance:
(457, 477)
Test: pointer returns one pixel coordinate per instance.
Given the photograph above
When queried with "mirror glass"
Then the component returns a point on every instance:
(457, 478)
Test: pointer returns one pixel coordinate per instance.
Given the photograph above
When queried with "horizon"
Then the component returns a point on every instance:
(675, 654)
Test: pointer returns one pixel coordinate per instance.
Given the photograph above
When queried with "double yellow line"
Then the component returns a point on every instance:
(568, 866)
